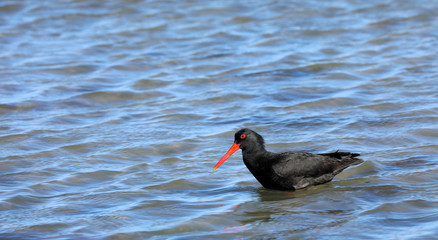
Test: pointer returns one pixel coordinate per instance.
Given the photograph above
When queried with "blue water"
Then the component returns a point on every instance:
(113, 114)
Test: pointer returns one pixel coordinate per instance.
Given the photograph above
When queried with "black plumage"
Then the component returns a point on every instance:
(288, 170)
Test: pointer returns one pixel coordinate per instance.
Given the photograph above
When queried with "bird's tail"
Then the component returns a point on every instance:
(347, 157)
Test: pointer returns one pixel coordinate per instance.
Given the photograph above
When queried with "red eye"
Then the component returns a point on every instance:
(243, 136)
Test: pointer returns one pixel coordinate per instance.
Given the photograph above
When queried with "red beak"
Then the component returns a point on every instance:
(233, 149)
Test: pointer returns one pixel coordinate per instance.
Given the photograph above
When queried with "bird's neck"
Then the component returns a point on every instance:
(254, 158)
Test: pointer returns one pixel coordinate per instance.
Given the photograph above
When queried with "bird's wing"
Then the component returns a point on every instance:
(297, 164)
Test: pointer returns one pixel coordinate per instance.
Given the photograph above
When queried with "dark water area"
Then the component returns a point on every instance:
(113, 114)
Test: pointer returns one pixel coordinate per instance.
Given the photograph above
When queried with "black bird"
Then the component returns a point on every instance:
(288, 170)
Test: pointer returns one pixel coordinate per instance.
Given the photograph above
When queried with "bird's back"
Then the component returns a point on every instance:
(296, 170)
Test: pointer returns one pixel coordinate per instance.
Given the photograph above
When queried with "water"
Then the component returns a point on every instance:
(113, 114)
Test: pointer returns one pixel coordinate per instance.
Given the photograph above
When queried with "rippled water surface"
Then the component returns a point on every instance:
(113, 113)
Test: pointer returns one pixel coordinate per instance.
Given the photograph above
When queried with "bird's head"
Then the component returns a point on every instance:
(245, 139)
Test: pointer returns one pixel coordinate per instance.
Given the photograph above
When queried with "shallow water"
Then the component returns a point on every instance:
(113, 114)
